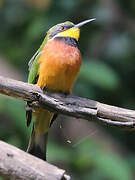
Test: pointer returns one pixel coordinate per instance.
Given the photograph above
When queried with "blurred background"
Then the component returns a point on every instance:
(86, 150)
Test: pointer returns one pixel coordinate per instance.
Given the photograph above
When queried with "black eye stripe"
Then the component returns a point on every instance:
(64, 28)
(54, 33)
(60, 29)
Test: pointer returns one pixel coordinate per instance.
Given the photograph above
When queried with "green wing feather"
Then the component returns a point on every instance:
(34, 65)
(33, 77)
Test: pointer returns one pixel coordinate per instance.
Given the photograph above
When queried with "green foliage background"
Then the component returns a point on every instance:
(107, 75)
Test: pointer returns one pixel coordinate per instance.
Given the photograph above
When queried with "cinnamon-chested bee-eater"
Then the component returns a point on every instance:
(55, 67)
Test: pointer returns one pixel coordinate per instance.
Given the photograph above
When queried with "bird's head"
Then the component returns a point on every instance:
(66, 29)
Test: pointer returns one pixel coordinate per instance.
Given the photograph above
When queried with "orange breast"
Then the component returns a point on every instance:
(59, 66)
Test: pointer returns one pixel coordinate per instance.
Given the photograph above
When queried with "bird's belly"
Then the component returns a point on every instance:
(58, 70)
(58, 78)
(61, 80)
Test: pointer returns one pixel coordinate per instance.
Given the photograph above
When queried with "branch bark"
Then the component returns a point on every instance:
(19, 165)
(68, 105)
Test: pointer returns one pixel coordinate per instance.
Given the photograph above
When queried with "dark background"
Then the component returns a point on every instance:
(86, 150)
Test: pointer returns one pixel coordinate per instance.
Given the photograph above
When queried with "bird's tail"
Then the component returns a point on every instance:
(37, 144)
(38, 141)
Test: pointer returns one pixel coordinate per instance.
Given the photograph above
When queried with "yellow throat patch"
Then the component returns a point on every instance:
(72, 32)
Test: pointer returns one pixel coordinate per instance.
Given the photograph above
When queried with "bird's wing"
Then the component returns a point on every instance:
(34, 65)
(33, 68)
(32, 79)
(32, 59)
(33, 75)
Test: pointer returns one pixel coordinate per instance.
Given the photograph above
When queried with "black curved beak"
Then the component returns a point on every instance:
(84, 22)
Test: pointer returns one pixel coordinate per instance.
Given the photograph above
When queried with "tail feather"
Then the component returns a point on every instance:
(38, 141)
(38, 144)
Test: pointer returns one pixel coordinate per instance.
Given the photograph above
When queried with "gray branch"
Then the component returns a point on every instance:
(16, 164)
(19, 165)
(68, 105)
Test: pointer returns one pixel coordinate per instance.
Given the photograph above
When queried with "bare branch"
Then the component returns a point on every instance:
(19, 165)
(68, 104)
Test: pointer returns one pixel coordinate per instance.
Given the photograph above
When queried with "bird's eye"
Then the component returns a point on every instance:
(63, 28)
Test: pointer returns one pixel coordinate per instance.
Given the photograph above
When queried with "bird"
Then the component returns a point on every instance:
(54, 67)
